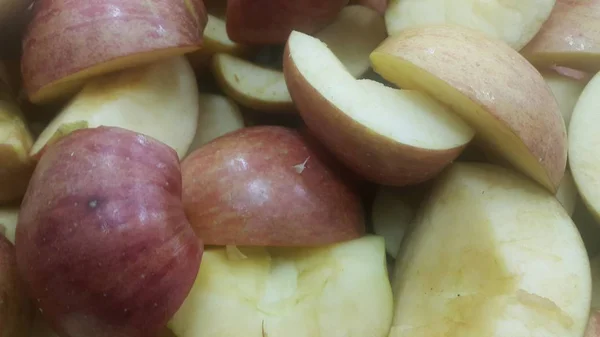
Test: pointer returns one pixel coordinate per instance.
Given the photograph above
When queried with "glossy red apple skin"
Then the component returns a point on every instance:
(102, 241)
(65, 37)
(16, 311)
(248, 188)
(272, 21)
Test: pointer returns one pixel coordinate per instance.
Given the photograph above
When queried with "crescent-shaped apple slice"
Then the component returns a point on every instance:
(390, 136)
(159, 100)
(488, 84)
(570, 37)
(8, 222)
(355, 33)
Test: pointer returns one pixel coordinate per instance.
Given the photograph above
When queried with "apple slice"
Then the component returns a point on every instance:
(215, 41)
(268, 186)
(218, 116)
(159, 100)
(68, 42)
(8, 222)
(337, 290)
(390, 136)
(492, 254)
(569, 38)
(515, 115)
(514, 22)
(584, 153)
(567, 193)
(271, 21)
(355, 33)
(391, 216)
(566, 90)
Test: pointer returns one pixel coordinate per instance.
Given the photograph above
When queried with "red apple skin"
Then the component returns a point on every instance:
(272, 21)
(102, 241)
(593, 328)
(65, 37)
(245, 188)
(16, 311)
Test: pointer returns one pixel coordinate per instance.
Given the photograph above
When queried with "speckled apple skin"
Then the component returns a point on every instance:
(67, 36)
(102, 241)
(272, 21)
(249, 188)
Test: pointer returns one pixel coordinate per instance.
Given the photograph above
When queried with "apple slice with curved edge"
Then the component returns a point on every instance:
(515, 115)
(390, 136)
(8, 222)
(566, 90)
(492, 254)
(218, 116)
(335, 290)
(569, 38)
(584, 153)
(567, 193)
(16, 140)
(159, 100)
(69, 42)
(391, 217)
(514, 22)
(215, 41)
(355, 33)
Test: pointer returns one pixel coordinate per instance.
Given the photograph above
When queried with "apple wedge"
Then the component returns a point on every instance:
(391, 216)
(390, 136)
(336, 290)
(159, 100)
(355, 33)
(566, 90)
(515, 115)
(215, 41)
(491, 254)
(514, 22)
(218, 116)
(569, 38)
(8, 222)
(584, 153)
(68, 42)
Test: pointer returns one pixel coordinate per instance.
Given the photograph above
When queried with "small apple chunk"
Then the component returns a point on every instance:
(390, 136)
(492, 254)
(569, 38)
(356, 31)
(514, 22)
(391, 215)
(515, 115)
(272, 21)
(566, 90)
(159, 100)
(16, 311)
(102, 242)
(218, 116)
(8, 222)
(335, 290)
(70, 41)
(268, 186)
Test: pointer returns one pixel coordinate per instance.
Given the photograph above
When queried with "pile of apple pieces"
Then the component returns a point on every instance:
(177, 177)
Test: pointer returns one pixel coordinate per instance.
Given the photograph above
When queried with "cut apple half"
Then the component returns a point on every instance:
(570, 37)
(390, 136)
(584, 152)
(514, 22)
(391, 216)
(67, 43)
(334, 290)
(355, 33)
(218, 115)
(8, 222)
(492, 254)
(489, 85)
(159, 100)
(215, 41)
(566, 90)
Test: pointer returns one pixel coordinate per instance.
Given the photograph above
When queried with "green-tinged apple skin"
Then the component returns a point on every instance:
(251, 21)
(109, 199)
(267, 186)
(16, 311)
(336, 290)
(68, 37)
